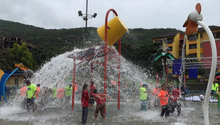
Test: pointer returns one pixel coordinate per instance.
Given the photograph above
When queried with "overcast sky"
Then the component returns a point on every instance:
(146, 14)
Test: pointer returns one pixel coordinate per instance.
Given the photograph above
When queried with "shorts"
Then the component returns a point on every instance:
(213, 92)
(30, 103)
(91, 100)
(100, 108)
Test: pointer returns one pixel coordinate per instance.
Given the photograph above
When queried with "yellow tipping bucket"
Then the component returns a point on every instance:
(116, 29)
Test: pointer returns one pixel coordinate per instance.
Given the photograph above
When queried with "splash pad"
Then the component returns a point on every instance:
(59, 70)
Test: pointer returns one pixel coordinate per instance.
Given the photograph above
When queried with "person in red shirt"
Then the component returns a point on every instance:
(85, 103)
(175, 94)
(37, 91)
(174, 101)
(100, 103)
(164, 96)
(91, 89)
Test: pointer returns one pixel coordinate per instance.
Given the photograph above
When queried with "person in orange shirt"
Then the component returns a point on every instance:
(60, 93)
(164, 96)
(155, 92)
(23, 91)
(37, 91)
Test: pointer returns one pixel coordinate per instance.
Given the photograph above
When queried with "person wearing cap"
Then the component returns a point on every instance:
(31, 91)
(68, 93)
(143, 96)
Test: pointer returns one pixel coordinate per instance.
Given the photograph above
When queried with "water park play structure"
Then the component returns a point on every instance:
(4, 78)
(191, 24)
(101, 56)
(111, 32)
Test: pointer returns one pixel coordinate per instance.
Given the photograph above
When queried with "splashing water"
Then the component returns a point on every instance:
(59, 71)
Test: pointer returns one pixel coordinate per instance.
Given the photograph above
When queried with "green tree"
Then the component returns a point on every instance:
(21, 54)
(6, 58)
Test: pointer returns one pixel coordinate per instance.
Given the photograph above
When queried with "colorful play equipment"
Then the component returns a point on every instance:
(4, 78)
(116, 29)
(191, 24)
(111, 32)
(164, 55)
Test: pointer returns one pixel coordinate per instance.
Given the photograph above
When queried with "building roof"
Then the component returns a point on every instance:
(170, 34)
(212, 27)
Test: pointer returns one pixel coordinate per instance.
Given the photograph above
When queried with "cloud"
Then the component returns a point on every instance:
(134, 13)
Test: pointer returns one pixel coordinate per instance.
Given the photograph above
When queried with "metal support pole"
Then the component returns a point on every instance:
(91, 75)
(183, 62)
(106, 49)
(74, 81)
(157, 80)
(165, 70)
(212, 72)
(86, 13)
(119, 73)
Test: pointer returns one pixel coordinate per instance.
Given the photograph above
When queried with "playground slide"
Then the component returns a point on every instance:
(3, 81)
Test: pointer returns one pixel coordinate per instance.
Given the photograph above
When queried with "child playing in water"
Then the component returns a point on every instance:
(100, 103)
(85, 103)
(143, 96)
(163, 96)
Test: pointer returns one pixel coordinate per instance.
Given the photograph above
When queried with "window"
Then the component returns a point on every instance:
(192, 37)
(192, 55)
(16, 81)
(201, 45)
(192, 46)
(169, 48)
(201, 35)
(216, 35)
(201, 55)
(159, 41)
(169, 40)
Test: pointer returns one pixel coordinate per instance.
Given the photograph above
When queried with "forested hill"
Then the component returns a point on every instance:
(137, 45)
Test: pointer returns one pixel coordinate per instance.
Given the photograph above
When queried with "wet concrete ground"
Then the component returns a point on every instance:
(129, 114)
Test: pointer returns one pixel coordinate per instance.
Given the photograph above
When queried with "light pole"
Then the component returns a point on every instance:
(86, 16)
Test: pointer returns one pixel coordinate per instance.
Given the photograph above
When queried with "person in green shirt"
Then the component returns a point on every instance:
(214, 89)
(68, 93)
(31, 95)
(54, 92)
(143, 96)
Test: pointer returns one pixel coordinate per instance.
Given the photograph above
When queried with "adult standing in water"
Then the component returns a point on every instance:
(163, 96)
(31, 91)
(85, 103)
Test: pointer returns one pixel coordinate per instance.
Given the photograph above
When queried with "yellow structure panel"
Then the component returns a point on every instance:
(169, 45)
(176, 42)
(192, 51)
(192, 42)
